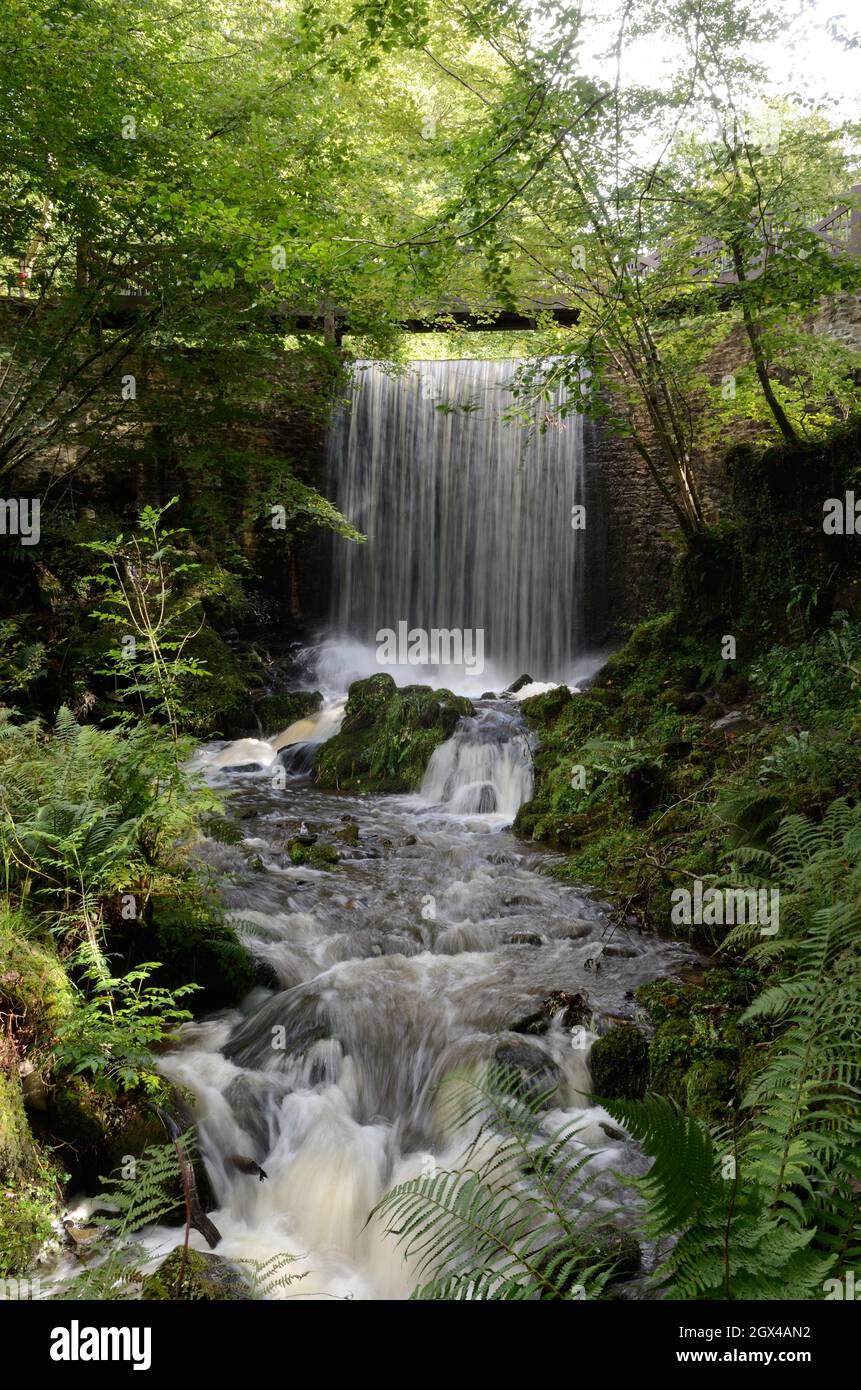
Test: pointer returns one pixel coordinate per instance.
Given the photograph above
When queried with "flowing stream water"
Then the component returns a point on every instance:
(438, 931)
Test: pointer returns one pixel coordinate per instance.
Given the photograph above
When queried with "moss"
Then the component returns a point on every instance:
(32, 980)
(206, 1278)
(323, 856)
(665, 998)
(17, 1152)
(194, 941)
(544, 708)
(366, 702)
(387, 736)
(670, 1056)
(298, 852)
(619, 1063)
(709, 1089)
(27, 1210)
(278, 712)
(218, 703)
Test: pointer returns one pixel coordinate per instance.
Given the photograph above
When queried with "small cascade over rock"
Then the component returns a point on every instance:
(485, 768)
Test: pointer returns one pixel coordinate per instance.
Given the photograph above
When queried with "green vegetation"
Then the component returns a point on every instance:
(507, 1222)
(209, 214)
(388, 736)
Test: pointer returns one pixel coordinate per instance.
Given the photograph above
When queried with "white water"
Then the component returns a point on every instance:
(468, 520)
(485, 768)
(409, 962)
(438, 930)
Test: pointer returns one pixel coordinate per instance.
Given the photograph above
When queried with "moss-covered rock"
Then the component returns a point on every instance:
(205, 1278)
(544, 708)
(32, 980)
(17, 1153)
(194, 941)
(670, 1056)
(710, 1089)
(322, 856)
(388, 735)
(278, 712)
(218, 703)
(367, 701)
(619, 1063)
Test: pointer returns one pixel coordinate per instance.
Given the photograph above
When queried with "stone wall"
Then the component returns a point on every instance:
(639, 552)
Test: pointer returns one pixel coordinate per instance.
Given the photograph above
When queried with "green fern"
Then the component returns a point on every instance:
(787, 1216)
(728, 1244)
(517, 1218)
(142, 1198)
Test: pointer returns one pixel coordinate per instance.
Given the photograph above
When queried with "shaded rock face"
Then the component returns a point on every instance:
(572, 1010)
(279, 711)
(619, 1063)
(388, 735)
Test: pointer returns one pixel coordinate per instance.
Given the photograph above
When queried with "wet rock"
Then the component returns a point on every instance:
(578, 931)
(206, 1278)
(619, 1063)
(33, 1086)
(349, 833)
(524, 938)
(572, 1010)
(735, 722)
(79, 1237)
(518, 684)
(489, 695)
(538, 1072)
(620, 952)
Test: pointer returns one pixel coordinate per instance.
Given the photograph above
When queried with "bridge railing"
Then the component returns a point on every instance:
(141, 274)
(712, 263)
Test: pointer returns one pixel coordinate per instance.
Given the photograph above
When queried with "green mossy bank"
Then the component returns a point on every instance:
(714, 723)
(387, 736)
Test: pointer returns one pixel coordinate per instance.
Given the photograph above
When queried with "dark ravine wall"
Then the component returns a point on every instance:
(639, 555)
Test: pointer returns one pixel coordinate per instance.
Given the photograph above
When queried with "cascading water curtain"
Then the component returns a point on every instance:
(468, 519)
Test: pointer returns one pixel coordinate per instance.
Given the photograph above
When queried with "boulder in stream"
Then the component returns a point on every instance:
(206, 1278)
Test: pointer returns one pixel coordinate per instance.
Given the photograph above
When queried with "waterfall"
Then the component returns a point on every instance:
(485, 768)
(468, 518)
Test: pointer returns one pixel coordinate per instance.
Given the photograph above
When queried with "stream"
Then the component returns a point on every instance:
(436, 932)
